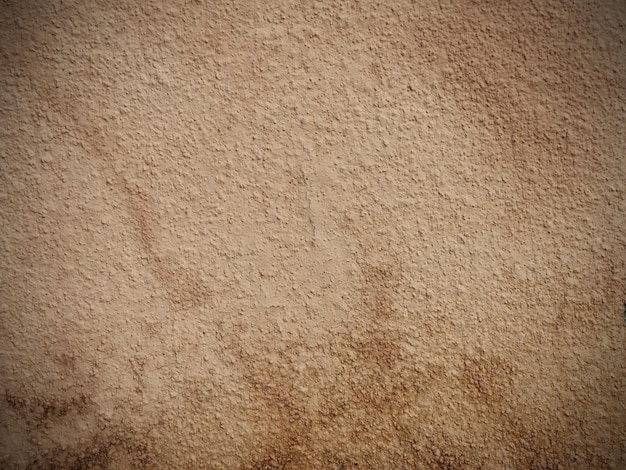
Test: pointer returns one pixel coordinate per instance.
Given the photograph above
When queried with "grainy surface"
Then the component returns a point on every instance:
(312, 235)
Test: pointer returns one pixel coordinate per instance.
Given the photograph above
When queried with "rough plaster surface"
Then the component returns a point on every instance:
(313, 235)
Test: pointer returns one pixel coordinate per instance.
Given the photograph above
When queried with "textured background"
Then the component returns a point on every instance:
(312, 235)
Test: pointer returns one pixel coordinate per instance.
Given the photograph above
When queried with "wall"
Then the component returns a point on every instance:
(326, 235)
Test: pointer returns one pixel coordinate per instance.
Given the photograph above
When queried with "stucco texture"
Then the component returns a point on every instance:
(295, 234)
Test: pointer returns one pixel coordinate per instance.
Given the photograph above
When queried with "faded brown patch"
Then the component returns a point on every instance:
(444, 459)
(66, 360)
(120, 447)
(573, 315)
(40, 411)
(373, 384)
(522, 81)
(542, 449)
(108, 445)
(380, 348)
(438, 452)
(380, 344)
(183, 288)
(271, 380)
(487, 378)
(277, 458)
(379, 278)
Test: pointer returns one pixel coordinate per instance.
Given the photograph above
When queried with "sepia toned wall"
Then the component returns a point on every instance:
(312, 234)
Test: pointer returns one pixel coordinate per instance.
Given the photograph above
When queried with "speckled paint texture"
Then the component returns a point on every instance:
(312, 235)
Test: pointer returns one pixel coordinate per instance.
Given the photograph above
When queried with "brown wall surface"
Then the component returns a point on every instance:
(312, 234)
